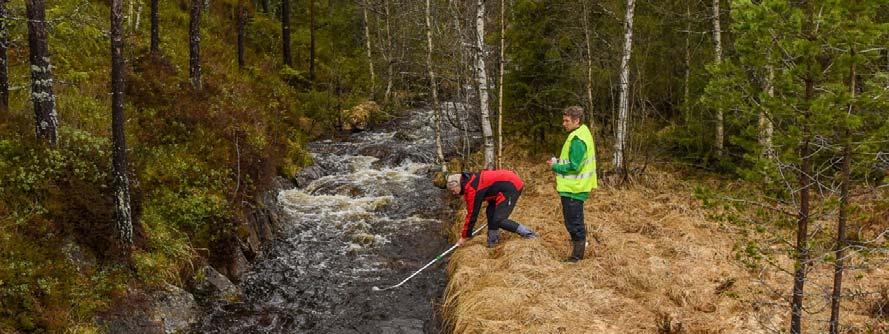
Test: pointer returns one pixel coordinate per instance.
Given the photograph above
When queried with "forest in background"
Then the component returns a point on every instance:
(787, 95)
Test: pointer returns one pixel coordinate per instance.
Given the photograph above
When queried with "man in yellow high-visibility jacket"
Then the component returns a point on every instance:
(575, 171)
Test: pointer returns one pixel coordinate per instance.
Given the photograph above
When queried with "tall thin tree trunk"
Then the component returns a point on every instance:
(806, 180)
(483, 84)
(122, 213)
(589, 65)
(766, 127)
(433, 85)
(130, 6)
(194, 49)
(155, 37)
(500, 84)
(802, 233)
(46, 118)
(370, 59)
(389, 61)
(312, 41)
(138, 17)
(265, 6)
(285, 32)
(4, 59)
(802, 239)
(840, 250)
(242, 21)
(717, 39)
(620, 143)
(686, 94)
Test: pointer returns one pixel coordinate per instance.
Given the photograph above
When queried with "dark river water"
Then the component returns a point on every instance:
(365, 215)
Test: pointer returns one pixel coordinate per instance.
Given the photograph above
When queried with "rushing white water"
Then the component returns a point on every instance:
(365, 214)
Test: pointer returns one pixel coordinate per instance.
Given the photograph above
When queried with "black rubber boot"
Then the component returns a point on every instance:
(579, 246)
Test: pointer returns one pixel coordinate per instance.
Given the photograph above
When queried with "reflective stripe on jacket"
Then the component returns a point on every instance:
(584, 178)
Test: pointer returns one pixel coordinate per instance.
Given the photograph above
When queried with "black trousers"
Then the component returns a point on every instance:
(498, 214)
(572, 210)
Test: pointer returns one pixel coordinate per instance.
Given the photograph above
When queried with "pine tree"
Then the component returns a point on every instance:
(794, 75)
(41, 74)
(122, 213)
(285, 32)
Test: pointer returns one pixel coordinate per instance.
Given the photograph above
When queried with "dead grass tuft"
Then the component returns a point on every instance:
(655, 264)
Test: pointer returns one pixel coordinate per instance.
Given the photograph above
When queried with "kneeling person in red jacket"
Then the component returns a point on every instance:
(501, 189)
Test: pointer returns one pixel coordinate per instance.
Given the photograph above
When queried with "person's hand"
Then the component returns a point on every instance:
(460, 243)
(551, 161)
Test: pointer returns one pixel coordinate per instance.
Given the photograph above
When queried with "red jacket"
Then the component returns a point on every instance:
(486, 186)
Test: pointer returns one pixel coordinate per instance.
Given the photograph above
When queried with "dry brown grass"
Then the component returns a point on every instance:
(661, 267)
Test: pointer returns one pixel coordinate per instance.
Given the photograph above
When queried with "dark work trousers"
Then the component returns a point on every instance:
(572, 210)
(498, 214)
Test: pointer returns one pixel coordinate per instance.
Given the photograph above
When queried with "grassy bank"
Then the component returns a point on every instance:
(671, 257)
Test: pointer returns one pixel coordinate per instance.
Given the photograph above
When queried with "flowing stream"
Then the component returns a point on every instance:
(366, 214)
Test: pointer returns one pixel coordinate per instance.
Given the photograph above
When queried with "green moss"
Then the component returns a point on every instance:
(195, 158)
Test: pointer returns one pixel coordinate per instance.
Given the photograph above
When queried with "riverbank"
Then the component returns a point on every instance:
(664, 264)
(364, 215)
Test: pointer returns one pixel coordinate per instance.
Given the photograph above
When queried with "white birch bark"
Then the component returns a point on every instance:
(623, 109)
(765, 123)
(589, 64)
(370, 59)
(717, 39)
(390, 62)
(433, 85)
(482, 77)
(500, 84)
(687, 92)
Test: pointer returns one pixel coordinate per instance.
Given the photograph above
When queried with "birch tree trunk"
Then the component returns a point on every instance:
(194, 49)
(766, 126)
(130, 6)
(155, 38)
(285, 32)
(46, 118)
(686, 96)
(138, 17)
(4, 59)
(500, 84)
(482, 77)
(717, 39)
(433, 85)
(122, 213)
(840, 251)
(623, 109)
(390, 63)
(370, 59)
(589, 65)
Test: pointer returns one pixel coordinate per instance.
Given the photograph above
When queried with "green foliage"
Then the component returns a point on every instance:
(774, 35)
(538, 82)
(195, 157)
